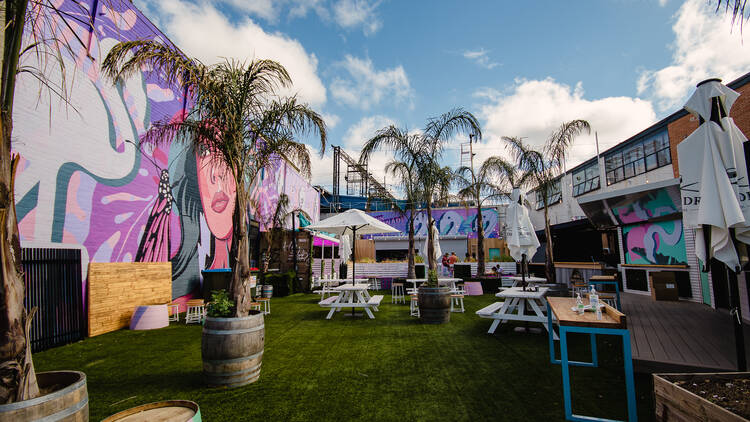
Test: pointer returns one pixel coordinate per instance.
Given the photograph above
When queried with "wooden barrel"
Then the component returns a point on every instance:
(69, 402)
(434, 305)
(232, 350)
(162, 411)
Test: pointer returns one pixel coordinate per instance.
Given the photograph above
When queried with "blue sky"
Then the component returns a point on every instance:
(522, 67)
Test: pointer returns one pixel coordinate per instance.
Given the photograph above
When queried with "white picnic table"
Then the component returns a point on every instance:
(441, 280)
(352, 296)
(516, 280)
(513, 308)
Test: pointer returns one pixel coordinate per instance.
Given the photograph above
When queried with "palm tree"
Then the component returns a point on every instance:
(542, 169)
(738, 10)
(404, 169)
(237, 118)
(26, 22)
(478, 187)
(425, 150)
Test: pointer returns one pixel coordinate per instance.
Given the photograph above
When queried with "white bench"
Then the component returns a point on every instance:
(327, 302)
(375, 300)
(488, 310)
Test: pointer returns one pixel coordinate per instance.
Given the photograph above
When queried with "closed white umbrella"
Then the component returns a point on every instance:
(345, 247)
(520, 235)
(714, 188)
(438, 253)
(354, 222)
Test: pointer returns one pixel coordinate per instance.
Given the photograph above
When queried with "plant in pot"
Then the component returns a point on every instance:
(434, 301)
(238, 125)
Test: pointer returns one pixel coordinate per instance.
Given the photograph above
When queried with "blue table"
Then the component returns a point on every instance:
(607, 281)
(612, 323)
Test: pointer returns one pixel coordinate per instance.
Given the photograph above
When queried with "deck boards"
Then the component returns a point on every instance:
(671, 335)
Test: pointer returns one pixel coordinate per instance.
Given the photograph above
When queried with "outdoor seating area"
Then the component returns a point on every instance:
(360, 358)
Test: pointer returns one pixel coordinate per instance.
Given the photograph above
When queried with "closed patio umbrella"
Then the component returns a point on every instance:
(345, 248)
(436, 245)
(354, 222)
(714, 189)
(521, 238)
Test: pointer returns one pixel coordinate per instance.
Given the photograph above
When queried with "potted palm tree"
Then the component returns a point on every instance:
(238, 120)
(424, 151)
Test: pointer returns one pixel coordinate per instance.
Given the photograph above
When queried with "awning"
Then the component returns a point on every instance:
(637, 204)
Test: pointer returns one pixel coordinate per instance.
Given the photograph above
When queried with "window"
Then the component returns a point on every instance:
(586, 179)
(554, 195)
(637, 158)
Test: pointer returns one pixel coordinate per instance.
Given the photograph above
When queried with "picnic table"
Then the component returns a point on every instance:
(513, 308)
(352, 296)
(613, 322)
(441, 281)
(516, 280)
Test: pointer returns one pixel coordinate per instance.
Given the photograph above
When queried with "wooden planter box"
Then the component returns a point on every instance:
(674, 403)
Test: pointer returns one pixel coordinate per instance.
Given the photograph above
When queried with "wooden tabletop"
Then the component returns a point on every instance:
(358, 286)
(562, 308)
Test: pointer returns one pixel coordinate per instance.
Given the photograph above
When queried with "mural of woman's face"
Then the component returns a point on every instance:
(218, 192)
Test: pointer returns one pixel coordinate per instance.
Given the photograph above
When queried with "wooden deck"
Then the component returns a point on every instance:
(679, 336)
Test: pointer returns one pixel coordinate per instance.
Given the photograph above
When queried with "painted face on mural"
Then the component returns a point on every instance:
(217, 191)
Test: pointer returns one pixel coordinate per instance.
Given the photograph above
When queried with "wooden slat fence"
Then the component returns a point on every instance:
(54, 286)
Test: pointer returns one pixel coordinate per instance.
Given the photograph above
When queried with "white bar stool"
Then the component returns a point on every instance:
(414, 306)
(397, 293)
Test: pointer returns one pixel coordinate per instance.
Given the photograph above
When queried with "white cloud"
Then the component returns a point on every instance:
(705, 46)
(353, 13)
(262, 8)
(663, 3)
(300, 8)
(481, 58)
(201, 31)
(358, 133)
(365, 86)
(332, 120)
(535, 108)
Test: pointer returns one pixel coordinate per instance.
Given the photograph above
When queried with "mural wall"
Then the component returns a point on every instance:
(659, 243)
(84, 180)
(282, 177)
(450, 222)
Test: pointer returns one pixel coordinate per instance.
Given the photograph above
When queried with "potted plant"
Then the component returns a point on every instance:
(238, 121)
(434, 301)
(231, 348)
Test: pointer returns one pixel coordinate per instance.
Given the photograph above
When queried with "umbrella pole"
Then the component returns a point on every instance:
(736, 315)
(354, 257)
(523, 271)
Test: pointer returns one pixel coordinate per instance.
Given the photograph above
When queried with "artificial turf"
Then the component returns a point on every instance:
(354, 368)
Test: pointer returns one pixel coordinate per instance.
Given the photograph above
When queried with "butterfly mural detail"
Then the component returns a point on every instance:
(155, 243)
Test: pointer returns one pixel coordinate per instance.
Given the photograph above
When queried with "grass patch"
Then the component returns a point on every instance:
(347, 368)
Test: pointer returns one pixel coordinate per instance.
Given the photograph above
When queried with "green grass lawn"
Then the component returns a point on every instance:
(389, 368)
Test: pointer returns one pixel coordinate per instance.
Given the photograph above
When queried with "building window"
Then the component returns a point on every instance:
(554, 195)
(586, 179)
(638, 158)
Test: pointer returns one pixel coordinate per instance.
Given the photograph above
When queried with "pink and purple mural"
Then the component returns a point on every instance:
(450, 222)
(83, 181)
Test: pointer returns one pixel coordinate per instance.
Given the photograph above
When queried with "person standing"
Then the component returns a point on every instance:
(446, 263)
(452, 261)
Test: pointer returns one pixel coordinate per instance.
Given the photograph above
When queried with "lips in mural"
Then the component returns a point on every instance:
(219, 202)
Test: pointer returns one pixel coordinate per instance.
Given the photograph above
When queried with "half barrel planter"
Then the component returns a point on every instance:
(434, 304)
(69, 403)
(232, 350)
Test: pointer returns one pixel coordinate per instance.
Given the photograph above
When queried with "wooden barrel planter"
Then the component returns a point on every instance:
(232, 350)
(69, 401)
(434, 305)
(163, 411)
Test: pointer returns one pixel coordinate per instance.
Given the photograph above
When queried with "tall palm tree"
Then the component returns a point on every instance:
(542, 169)
(737, 8)
(426, 152)
(404, 169)
(237, 118)
(478, 187)
(26, 30)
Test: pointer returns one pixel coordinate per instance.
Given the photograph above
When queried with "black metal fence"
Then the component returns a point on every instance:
(53, 284)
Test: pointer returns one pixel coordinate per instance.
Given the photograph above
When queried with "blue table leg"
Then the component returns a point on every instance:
(627, 355)
(550, 335)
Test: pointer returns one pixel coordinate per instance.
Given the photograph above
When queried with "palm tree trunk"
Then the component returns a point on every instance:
(17, 376)
(430, 239)
(480, 241)
(239, 290)
(549, 265)
(410, 272)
